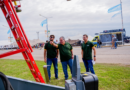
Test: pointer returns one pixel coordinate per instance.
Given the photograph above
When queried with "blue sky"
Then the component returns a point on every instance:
(68, 18)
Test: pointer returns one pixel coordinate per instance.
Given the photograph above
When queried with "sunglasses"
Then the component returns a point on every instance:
(51, 37)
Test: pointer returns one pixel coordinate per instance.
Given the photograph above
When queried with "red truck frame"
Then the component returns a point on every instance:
(9, 11)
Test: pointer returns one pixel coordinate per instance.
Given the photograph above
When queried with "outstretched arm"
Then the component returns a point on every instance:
(55, 45)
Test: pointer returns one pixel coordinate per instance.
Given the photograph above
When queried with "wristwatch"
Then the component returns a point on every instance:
(94, 56)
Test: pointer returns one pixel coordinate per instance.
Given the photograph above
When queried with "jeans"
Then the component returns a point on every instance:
(98, 45)
(55, 64)
(89, 66)
(115, 45)
(64, 66)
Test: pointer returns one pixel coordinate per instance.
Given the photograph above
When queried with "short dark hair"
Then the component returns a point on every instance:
(52, 36)
(46, 41)
(85, 35)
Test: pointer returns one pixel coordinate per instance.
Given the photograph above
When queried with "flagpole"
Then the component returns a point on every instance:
(47, 24)
(47, 29)
(121, 15)
(10, 36)
(122, 23)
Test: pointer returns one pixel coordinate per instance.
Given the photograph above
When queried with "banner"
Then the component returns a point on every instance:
(115, 8)
(9, 31)
(43, 22)
(115, 14)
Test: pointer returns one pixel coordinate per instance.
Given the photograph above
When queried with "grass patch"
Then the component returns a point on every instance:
(111, 76)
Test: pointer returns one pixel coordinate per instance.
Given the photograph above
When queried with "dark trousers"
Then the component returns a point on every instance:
(89, 66)
(55, 64)
(64, 66)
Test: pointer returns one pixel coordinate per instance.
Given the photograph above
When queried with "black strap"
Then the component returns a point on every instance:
(6, 82)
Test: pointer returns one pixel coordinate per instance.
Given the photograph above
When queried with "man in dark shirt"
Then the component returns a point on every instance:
(52, 55)
(66, 55)
(86, 52)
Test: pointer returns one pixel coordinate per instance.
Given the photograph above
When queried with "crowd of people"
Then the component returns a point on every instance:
(53, 49)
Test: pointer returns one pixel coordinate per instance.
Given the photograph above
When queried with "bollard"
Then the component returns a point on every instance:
(46, 73)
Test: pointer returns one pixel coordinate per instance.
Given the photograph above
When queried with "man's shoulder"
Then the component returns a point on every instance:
(59, 44)
(90, 42)
(82, 44)
(67, 43)
(46, 43)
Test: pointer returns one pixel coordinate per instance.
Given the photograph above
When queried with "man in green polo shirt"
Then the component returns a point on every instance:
(52, 55)
(86, 53)
(66, 55)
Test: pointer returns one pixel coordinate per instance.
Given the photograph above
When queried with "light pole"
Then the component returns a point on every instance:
(10, 32)
(37, 34)
(122, 23)
(47, 24)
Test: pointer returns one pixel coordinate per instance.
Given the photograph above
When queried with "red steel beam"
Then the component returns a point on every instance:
(11, 53)
(21, 27)
(16, 0)
(20, 33)
(23, 43)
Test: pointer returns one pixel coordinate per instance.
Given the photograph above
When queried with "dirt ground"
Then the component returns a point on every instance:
(121, 55)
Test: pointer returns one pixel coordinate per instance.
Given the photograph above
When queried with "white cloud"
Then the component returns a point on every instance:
(69, 18)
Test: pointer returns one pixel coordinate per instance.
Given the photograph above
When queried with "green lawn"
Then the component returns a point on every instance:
(111, 77)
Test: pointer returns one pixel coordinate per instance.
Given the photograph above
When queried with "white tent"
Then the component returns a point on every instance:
(4, 43)
(35, 41)
(80, 37)
(32, 42)
(7, 44)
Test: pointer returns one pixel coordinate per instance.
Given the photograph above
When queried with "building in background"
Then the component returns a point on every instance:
(74, 42)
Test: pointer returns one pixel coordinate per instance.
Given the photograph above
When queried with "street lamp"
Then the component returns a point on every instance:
(47, 23)
(37, 35)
